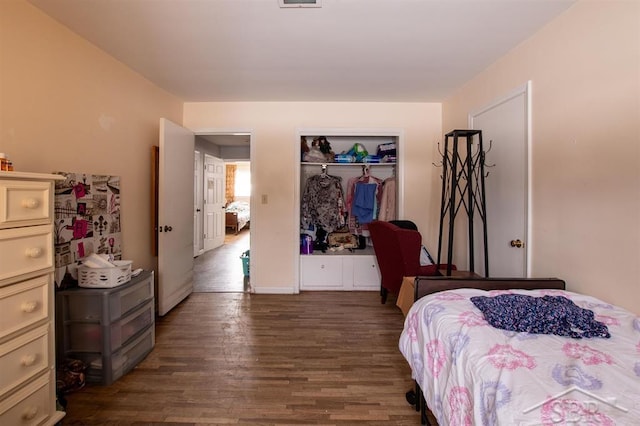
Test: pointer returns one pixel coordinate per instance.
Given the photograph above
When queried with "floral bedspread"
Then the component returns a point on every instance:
(474, 374)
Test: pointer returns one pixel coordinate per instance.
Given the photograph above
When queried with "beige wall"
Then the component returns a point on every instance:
(585, 73)
(275, 152)
(65, 105)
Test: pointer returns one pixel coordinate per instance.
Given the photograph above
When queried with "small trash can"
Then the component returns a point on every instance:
(245, 263)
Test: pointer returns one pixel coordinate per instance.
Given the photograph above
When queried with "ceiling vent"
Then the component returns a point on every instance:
(300, 3)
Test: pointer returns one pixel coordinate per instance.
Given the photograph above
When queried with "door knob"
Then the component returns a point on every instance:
(517, 243)
(197, 210)
(167, 228)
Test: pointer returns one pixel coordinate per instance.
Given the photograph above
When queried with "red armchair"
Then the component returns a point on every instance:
(398, 254)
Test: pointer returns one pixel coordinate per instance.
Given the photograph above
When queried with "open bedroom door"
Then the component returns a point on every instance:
(175, 215)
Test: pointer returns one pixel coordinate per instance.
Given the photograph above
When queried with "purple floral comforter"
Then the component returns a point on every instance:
(474, 374)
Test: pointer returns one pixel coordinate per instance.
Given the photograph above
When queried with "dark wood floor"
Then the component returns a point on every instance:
(317, 358)
(220, 269)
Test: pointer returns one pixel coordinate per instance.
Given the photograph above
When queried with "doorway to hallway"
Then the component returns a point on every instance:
(220, 270)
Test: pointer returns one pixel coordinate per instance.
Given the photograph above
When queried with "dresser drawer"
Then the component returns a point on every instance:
(25, 250)
(25, 203)
(88, 337)
(121, 362)
(88, 304)
(29, 406)
(23, 358)
(24, 304)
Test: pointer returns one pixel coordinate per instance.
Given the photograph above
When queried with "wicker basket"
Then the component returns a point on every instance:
(105, 277)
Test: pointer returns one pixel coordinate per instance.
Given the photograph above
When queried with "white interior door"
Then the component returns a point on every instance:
(175, 218)
(198, 204)
(506, 124)
(214, 201)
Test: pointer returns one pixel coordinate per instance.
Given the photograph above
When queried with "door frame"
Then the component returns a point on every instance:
(525, 90)
(255, 224)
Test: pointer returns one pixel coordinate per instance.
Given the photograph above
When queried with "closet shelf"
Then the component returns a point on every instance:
(347, 164)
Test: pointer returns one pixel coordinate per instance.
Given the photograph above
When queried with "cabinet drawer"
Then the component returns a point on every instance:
(366, 275)
(88, 304)
(24, 304)
(29, 406)
(24, 203)
(108, 367)
(320, 272)
(24, 358)
(88, 337)
(25, 250)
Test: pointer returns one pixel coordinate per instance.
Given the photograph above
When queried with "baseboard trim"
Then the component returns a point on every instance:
(273, 290)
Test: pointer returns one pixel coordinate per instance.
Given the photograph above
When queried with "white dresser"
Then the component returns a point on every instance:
(27, 354)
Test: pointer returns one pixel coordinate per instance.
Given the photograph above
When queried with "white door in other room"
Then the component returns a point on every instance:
(198, 205)
(175, 217)
(505, 134)
(214, 201)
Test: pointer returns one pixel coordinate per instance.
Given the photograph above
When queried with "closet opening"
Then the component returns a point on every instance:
(346, 179)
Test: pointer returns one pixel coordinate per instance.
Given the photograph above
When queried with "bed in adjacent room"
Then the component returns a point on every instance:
(474, 364)
(237, 215)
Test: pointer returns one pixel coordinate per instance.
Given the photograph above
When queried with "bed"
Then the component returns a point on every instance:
(468, 372)
(237, 215)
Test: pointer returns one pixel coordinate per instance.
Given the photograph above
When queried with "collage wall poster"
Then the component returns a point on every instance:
(87, 220)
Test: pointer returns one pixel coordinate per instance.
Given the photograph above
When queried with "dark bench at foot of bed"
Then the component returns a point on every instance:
(428, 285)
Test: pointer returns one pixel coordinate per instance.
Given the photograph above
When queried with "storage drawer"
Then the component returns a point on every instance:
(88, 304)
(25, 203)
(108, 367)
(24, 304)
(25, 250)
(24, 358)
(88, 337)
(29, 406)
(321, 272)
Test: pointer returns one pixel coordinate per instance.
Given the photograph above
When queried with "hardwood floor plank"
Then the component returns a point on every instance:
(317, 358)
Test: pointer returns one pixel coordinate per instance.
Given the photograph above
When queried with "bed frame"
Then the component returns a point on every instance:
(231, 221)
(428, 285)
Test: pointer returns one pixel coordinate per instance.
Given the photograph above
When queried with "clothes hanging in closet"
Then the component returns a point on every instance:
(323, 203)
(388, 200)
(367, 206)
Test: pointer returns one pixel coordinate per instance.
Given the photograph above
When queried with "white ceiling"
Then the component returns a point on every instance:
(348, 50)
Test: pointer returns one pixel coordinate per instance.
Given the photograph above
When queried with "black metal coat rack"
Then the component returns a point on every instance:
(463, 175)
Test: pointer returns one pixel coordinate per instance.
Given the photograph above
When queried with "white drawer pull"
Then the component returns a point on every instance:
(29, 307)
(30, 203)
(34, 252)
(28, 360)
(30, 413)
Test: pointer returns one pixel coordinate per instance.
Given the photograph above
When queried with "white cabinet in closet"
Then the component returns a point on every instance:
(347, 270)
(27, 356)
(339, 272)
